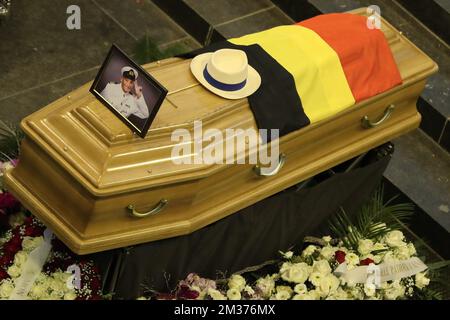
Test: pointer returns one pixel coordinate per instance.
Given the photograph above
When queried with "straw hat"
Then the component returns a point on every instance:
(226, 73)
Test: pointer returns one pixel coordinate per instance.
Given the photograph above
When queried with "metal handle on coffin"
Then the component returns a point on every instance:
(261, 171)
(366, 123)
(157, 209)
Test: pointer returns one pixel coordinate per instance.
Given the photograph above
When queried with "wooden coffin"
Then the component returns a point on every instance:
(87, 177)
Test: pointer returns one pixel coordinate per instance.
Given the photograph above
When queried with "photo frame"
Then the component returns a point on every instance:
(129, 91)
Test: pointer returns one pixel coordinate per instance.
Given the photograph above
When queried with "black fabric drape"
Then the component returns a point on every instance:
(248, 237)
(276, 104)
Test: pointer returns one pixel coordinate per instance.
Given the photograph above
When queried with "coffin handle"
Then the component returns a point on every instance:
(157, 209)
(366, 123)
(263, 171)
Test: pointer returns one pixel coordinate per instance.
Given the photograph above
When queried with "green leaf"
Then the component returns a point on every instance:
(374, 220)
(10, 137)
(438, 265)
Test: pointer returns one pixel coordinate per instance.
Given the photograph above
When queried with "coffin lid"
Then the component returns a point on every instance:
(101, 152)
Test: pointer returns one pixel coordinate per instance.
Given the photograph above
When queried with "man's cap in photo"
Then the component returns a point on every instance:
(129, 73)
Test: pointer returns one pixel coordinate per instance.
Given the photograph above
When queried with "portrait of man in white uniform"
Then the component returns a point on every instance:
(126, 96)
(129, 91)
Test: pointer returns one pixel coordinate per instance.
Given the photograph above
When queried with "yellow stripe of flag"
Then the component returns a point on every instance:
(319, 78)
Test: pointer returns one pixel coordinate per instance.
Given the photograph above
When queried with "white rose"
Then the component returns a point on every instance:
(389, 257)
(266, 286)
(322, 266)
(56, 295)
(369, 290)
(287, 255)
(315, 278)
(412, 249)
(73, 296)
(421, 280)
(351, 259)
(57, 285)
(328, 252)
(38, 292)
(384, 285)
(309, 250)
(402, 253)
(216, 294)
(365, 246)
(283, 293)
(234, 294)
(30, 243)
(236, 282)
(327, 285)
(327, 239)
(307, 296)
(313, 295)
(6, 288)
(378, 246)
(61, 276)
(295, 272)
(395, 290)
(17, 219)
(377, 258)
(300, 288)
(340, 294)
(14, 271)
(20, 258)
(201, 293)
(394, 238)
(391, 294)
(356, 293)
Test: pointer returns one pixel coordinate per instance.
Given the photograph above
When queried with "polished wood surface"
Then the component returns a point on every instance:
(81, 167)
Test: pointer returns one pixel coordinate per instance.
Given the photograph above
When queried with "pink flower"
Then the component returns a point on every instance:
(8, 202)
(185, 293)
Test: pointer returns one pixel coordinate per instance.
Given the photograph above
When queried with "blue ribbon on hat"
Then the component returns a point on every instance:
(220, 85)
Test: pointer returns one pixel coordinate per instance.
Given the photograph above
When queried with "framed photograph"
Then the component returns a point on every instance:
(128, 91)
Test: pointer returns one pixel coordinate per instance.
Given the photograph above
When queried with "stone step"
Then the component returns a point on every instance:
(41, 60)
(420, 172)
(210, 21)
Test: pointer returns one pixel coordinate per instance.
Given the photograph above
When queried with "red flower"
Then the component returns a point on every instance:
(366, 262)
(4, 219)
(6, 260)
(14, 245)
(95, 284)
(3, 274)
(8, 202)
(28, 221)
(184, 292)
(31, 231)
(339, 256)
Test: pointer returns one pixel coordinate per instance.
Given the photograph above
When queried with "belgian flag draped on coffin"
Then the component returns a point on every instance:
(314, 69)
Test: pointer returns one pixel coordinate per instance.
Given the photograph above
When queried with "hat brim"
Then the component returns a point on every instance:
(253, 79)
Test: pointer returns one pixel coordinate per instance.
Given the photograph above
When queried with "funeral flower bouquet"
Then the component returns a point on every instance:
(55, 280)
(369, 259)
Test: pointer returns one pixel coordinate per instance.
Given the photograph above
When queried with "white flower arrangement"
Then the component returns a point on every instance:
(312, 275)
